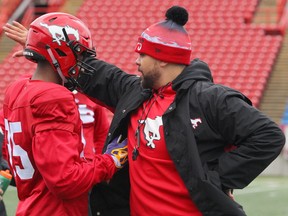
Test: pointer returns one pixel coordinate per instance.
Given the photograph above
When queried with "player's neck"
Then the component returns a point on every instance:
(46, 73)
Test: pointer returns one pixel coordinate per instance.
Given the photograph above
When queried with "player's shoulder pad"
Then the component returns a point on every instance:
(50, 92)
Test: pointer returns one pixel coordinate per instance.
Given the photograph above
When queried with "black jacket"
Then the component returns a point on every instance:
(227, 117)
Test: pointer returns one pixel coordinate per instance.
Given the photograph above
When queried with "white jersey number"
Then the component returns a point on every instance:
(27, 170)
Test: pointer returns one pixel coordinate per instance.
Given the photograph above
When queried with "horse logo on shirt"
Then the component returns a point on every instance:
(151, 130)
(196, 122)
(57, 32)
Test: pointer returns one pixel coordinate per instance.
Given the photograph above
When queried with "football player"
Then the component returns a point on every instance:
(43, 130)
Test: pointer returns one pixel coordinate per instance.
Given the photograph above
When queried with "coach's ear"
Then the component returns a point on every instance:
(162, 63)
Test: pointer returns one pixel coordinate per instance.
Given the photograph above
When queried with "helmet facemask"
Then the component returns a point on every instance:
(80, 52)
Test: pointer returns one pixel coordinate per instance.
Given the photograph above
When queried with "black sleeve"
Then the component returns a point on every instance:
(257, 138)
(107, 83)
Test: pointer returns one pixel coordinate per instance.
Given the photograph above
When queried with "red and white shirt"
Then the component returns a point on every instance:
(156, 187)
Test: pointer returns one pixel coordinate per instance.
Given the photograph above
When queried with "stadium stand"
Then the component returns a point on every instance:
(7, 7)
(241, 54)
(222, 35)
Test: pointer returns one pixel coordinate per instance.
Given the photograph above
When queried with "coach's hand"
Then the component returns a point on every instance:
(229, 193)
(17, 32)
(119, 152)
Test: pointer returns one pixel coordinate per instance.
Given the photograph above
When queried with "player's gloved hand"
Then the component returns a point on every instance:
(119, 151)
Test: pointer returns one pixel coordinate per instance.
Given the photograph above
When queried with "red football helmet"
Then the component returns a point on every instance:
(61, 39)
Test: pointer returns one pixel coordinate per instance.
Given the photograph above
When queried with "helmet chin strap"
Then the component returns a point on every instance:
(56, 64)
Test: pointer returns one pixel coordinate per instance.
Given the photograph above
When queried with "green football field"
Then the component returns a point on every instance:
(265, 196)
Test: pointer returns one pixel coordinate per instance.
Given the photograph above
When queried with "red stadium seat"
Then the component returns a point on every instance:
(240, 54)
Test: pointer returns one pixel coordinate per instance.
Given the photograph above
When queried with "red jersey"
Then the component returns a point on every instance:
(95, 125)
(43, 138)
(156, 186)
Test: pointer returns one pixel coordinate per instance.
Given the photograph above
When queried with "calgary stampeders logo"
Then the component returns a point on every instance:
(139, 44)
(195, 122)
(57, 32)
